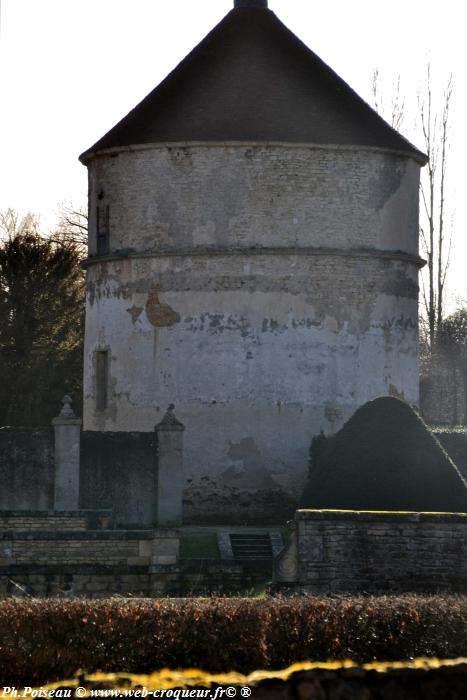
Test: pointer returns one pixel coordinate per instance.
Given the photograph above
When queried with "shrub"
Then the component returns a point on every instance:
(44, 640)
(384, 458)
(454, 441)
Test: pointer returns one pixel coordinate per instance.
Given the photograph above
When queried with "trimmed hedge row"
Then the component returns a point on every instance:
(45, 640)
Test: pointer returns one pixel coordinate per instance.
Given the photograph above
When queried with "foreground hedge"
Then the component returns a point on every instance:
(418, 680)
(44, 640)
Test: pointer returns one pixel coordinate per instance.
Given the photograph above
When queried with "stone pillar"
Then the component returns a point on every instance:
(164, 569)
(169, 434)
(67, 429)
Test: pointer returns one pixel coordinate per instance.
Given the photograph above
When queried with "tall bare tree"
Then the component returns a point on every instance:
(436, 239)
(433, 121)
(392, 108)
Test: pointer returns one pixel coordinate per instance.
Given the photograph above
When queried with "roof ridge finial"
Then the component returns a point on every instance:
(258, 4)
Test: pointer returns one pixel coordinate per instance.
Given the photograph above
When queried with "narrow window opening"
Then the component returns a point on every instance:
(102, 379)
(103, 229)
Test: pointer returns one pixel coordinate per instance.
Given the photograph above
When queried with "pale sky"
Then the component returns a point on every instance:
(70, 69)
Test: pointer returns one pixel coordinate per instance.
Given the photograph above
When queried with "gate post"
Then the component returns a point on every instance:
(169, 439)
(67, 428)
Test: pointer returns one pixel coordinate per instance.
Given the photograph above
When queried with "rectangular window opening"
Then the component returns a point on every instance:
(102, 379)
(103, 229)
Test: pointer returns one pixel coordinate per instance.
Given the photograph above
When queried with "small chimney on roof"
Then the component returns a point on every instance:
(259, 4)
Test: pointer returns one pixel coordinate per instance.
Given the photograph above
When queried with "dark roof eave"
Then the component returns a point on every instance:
(411, 152)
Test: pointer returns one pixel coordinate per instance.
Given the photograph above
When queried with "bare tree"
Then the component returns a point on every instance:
(436, 242)
(73, 225)
(392, 111)
(434, 124)
(13, 224)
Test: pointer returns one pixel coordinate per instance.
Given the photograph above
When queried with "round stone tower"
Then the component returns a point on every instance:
(253, 259)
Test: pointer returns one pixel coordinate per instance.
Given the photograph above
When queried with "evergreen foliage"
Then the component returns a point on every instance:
(384, 458)
(41, 328)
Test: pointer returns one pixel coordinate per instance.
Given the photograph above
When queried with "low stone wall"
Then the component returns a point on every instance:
(78, 580)
(110, 548)
(32, 520)
(26, 469)
(70, 554)
(221, 577)
(355, 552)
(119, 471)
(77, 553)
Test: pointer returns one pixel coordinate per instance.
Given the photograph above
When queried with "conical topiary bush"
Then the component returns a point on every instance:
(384, 458)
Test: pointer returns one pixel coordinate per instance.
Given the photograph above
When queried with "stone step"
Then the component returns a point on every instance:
(251, 546)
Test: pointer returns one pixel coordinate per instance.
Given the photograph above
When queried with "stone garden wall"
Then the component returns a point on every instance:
(138, 476)
(26, 469)
(355, 552)
(78, 553)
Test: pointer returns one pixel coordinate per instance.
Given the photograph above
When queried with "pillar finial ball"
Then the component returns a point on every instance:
(261, 4)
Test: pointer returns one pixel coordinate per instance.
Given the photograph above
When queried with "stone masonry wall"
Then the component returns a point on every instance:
(267, 290)
(26, 469)
(355, 552)
(32, 520)
(264, 355)
(252, 195)
(76, 554)
(119, 472)
(52, 548)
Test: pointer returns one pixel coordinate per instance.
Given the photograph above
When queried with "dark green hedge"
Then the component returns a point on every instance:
(45, 640)
(455, 444)
(384, 458)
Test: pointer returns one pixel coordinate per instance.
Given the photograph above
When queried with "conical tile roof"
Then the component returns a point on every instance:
(252, 79)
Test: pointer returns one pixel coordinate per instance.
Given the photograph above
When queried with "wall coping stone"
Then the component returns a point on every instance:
(163, 569)
(54, 513)
(165, 533)
(79, 568)
(73, 535)
(44, 429)
(380, 516)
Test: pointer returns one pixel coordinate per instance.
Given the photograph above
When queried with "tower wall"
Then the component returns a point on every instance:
(266, 291)
(180, 197)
